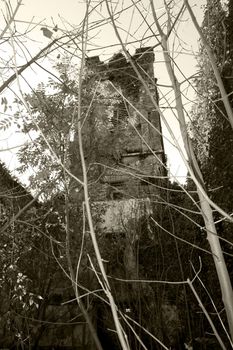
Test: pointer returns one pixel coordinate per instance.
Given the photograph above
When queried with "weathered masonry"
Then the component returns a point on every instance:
(127, 186)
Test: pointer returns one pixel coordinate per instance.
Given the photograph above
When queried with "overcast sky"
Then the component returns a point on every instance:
(68, 14)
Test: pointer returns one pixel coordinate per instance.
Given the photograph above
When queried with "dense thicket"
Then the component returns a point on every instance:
(212, 131)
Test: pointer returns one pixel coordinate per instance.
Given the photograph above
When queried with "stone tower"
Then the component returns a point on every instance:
(128, 186)
(130, 183)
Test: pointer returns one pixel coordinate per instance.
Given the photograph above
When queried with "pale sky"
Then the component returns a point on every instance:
(67, 15)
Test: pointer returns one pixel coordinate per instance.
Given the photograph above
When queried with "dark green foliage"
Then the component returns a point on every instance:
(213, 135)
(32, 247)
(18, 297)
